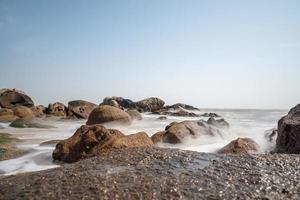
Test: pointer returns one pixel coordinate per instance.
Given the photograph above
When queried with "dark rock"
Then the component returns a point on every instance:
(178, 113)
(106, 113)
(134, 114)
(57, 109)
(240, 146)
(119, 102)
(181, 106)
(10, 98)
(288, 138)
(29, 123)
(271, 135)
(150, 104)
(210, 115)
(80, 109)
(162, 118)
(92, 140)
(221, 123)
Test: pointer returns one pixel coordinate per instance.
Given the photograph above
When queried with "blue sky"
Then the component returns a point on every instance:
(216, 54)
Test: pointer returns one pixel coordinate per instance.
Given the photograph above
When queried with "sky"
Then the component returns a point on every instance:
(208, 53)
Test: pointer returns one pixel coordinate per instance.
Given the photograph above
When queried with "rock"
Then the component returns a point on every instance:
(288, 138)
(119, 102)
(23, 112)
(7, 115)
(178, 132)
(150, 104)
(271, 135)
(240, 146)
(92, 140)
(221, 123)
(181, 106)
(157, 137)
(29, 123)
(80, 109)
(50, 143)
(106, 113)
(10, 98)
(57, 109)
(39, 111)
(210, 115)
(178, 112)
(134, 114)
(162, 118)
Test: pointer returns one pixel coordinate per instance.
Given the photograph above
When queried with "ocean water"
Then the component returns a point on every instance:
(243, 123)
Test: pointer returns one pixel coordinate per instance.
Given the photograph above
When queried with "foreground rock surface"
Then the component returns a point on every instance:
(288, 134)
(154, 173)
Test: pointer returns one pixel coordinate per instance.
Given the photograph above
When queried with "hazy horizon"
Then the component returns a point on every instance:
(210, 54)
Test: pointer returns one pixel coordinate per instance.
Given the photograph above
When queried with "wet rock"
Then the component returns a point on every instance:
(119, 102)
(271, 135)
(92, 140)
(210, 115)
(7, 115)
(157, 137)
(180, 106)
(134, 114)
(179, 112)
(29, 123)
(240, 146)
(57, 109)
(288, 138)
(50, 143)
(221, 123)
(107, 113)
(80, 109)
(11, 98)
(150, 104)
(162, 118)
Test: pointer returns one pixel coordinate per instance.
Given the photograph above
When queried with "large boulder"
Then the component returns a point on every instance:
(118, 102)
(10, 98)
(23, 112)
(288, 138)
(134, 114)
(91, 140)
(57, 109)
(80, 109)
(240, 146)
(7, 115)
(39, 111)
(150, 104)
(106, 113)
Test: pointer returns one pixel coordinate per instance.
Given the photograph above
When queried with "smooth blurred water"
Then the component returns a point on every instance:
(243, 123)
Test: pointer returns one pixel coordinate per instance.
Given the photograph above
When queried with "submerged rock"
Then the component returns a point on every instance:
(150, 104)
(288, 138)
(240, 146)
(57, 109)
(106, 113)
(91, 140)
(80, 109)
(162, 118)
(29, 123)
(134, 114)
(11, 98)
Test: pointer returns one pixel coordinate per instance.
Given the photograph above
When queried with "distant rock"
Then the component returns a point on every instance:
(57, 109)
(11, 98)
(119, 102)
(221, 123)
(288, 138)
(162, 118)
(134, 114)
(181, 106)
(210, 115)
(178, 112)
(106, 113)
(29, 123)
(80, 109)
(240, 146)
(150, 104)
(92, 140)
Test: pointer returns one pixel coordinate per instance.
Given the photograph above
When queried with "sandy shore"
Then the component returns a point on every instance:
(155, 173)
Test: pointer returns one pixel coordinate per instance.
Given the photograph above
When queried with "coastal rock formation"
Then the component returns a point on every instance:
(11, 98)
(29, 123)
(150, 104)
(240, 146)
(92, 140)
(271, 135)
(162, 118)
(134, 114)
(288, 138)
(210, 115)
(39, 111)
(118, 102)
(180, 106)
(179, 112)
(23, 112)
(177, 132)
(7, 115)
(106, 113)
(221, 123)
(57, 109)
(80, 109)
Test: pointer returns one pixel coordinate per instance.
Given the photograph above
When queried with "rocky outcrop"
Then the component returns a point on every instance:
(180, 106)
(221, 123)
(23, 112)
(106, 113)
(39, 111)
(7, 115)
(92, 140)
(80, 109)
(29, 123)
(18, 112)
(177, 132)
(240, 146)
(178, 113)
(119, 102)
(134, 114)
(150, 104)
(210, 115)
(288, 138)
(11, 98)
(57, 109)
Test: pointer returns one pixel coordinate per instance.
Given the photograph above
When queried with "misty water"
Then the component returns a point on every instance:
(243, 123)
